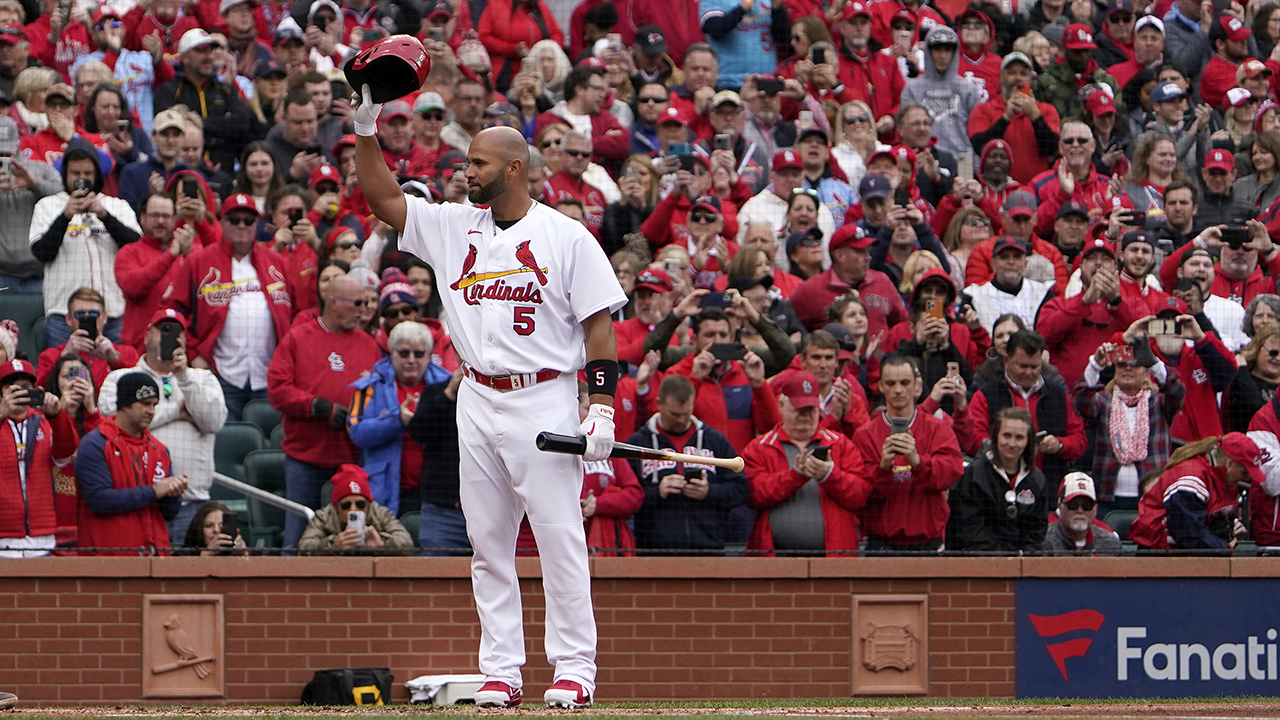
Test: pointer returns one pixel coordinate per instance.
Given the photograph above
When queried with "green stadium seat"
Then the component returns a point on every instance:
(277, 437)
(412, 521)
(40, 335)
(24, 308)
(326, 493)
(264, 469)
(260, 413)
(234, 441)
(234, 501)
(1120, 520)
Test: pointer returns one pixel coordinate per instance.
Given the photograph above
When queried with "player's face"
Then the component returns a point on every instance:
(674, 415)
(486, 177)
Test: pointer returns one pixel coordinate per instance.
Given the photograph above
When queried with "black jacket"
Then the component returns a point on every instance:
(227, 122)
(980, 519)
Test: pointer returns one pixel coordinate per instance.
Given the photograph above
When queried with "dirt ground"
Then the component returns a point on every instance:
(1219, 710)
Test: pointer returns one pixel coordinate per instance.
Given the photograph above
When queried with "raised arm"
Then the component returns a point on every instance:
(381, 190)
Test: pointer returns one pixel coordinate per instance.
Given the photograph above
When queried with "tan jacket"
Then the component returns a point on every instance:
(328, 522)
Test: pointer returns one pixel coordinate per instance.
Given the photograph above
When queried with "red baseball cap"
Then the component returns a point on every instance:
(1235, 30)
(1238, 96)
(168, 315)
(344, 141)
(1100, 103)
(106, 11)
(1219, 159)
(12, 33)
(655, 279)
(787, 159)
(1078, 36)
(672, 115)
(850, 235)
(1098, 244)
(855, 8)
(1173, 307)
(324, 173)
(1252, 68)
(801, 389)
(1121, 200)
(1244, 450)
(17, 367)
(240, 201)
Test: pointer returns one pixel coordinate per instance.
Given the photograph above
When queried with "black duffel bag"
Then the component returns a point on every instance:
(349, 686)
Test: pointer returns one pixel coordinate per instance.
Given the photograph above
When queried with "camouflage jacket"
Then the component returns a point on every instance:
(1058, 86)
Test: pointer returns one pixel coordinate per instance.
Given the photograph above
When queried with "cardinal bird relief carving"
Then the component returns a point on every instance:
(182, 641)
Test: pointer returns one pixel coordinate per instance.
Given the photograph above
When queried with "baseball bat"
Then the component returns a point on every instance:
(574, 445)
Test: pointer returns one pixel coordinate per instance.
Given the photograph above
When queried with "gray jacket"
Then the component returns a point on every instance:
(15, 220)
(949, 98)
(325, 526)
(1056, 542)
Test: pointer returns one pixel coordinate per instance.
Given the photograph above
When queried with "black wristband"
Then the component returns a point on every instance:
(602, 377)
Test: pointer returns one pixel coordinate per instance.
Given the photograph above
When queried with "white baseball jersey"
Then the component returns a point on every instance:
(515, 298)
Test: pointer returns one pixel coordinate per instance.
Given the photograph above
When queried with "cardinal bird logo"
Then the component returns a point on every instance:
(176, 637)
(467, 264)
(526, 258)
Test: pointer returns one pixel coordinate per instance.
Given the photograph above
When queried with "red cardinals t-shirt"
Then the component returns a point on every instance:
(411, 451)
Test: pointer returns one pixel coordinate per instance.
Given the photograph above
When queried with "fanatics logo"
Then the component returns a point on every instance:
(1054, 625)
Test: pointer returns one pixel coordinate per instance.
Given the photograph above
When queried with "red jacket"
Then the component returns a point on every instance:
(1218, 77)
(730, 404)
(1241, 291)
(1150, 530)
(130, 464)
(1073, 330)
(1200, 416)
(47, 146)
(631, 334)
(882, 14)
(1073, 444)
(201, 288)
(680, 22)
(983, 67)
(682, 100)
(73, 41)
(310, 362)
(140, 270)
(1091, 193)
(504, 25)
(414, 162)
(908, 506)
(1027, 162)
(33, 515)
(609, 140)
(563, 186)
(98, 368)
(840, 495)
(303, 263)
(875, 80)
(668, 223)
(631, 410)
(139, 23)
(884, 303)
(1264, 508)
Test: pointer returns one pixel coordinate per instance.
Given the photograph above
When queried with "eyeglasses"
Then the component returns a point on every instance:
(578, 153)
(244, 220)
(977, 222)
(703, 217)
(857, 119)
(406, 311)
(358, 303)
(404, 354)
(160, 216)
(1011, 498)
(1079, 504)
(973, 26)
(1120, 18)
(357, 504)
(1076, 140)
(654, 100)
(346, 245)
(437, 116)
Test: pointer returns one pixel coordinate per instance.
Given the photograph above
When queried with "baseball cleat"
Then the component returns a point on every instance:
(567, 694)
(497, 694)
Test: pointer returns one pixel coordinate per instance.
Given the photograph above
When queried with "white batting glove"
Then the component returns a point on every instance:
(365, 117)
(598, 430)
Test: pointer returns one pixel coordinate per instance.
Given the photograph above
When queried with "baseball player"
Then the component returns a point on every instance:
(529, 294)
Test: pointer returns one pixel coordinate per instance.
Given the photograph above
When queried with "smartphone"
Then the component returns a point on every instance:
(1023, 87)
(614, 41)
(190, 188)
(6, 162)
(716, 299)
(122, 125)
(168, 340)
(686, 162)
(683, 148)
(437, 34)
(902, 197)
(822, 452)
(230, 525)
(1164, 326)
(34, 396)
(933, 307)
(631, 171)
(372, 35)
(1236, 236)
(1122, 354)
(964, 166)
(314, 149)
(722, 141)
(728, 351)
(89, 324)
(321, 21)
(82, 185)
(294, 216)
(953, 369)
(355, 521)
(80, 372)
(770, 86)
(899, 425)
(1137, 219)
(692, 474)
(804, 120)
(1041, 435)
(817, 56)
(528, 63)
(1184, 284)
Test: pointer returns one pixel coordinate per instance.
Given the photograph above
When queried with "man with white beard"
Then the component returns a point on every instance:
(1077, 531)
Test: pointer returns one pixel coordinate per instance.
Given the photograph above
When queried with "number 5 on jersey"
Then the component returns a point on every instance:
(522, 322)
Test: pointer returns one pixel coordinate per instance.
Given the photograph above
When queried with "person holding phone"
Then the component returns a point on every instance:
(143, 265)
(214, 530)
(188, 417)
(911, 459)
(1014, 115)
(805, 479)
(87, 314)
(336, 526)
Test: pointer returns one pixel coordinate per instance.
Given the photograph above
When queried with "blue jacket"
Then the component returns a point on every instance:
(374, 426)
(678, 522)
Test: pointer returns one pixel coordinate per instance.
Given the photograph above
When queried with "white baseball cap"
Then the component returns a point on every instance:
(1077, 484)
(192, 39)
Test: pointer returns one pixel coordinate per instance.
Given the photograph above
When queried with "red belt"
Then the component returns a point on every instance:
(510, 382)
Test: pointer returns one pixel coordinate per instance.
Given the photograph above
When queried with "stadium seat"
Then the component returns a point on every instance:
(277, 437)
(1120, 520)
(260, 413)
(234, 501)
(234, 441)
(40, 335)
(24, 308)
(412, 521)
(326, 493)
(264, 469)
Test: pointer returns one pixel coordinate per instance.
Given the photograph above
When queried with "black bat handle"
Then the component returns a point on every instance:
(554, 442)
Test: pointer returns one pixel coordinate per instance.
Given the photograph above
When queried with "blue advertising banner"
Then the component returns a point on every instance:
(1147, 638)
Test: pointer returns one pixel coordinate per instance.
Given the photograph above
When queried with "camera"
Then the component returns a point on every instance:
(728, 351)
(716, 299)
(82, 185)
(1164, 326)
(34, 396)
(1236, 236)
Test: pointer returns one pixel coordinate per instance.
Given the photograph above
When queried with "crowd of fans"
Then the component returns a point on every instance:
(950, 277)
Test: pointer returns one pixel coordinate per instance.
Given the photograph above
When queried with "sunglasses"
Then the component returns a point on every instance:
(549, 144)
(437, 116)
(977, 222)
(857, 119)
(1076, 140)
(804, 191)
(1120, 18)
(357, 303)
(404, 354)
(973, 26)
(243, 220)
(110, 24)
(703, 217)
(86, 314)
(406, 311)
(346, 245)
(1079, 504)
(809, 241)
(577, 153)
(357, 504)
(653, 100)
(1273, 352)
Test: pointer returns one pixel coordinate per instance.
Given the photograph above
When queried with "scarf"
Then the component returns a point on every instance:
(1130, 439)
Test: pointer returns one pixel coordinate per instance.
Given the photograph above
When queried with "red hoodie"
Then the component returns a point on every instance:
(908, 506)
(840, 495)
(882, 13)
(506, 24)
(208, 229)
(730, 404)
(55, 438)
(1264, 508)
(973, 344)
(874, 79)
(1026, 162)
(982, 68)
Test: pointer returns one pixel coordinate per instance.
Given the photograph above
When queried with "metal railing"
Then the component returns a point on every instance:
(266, 497)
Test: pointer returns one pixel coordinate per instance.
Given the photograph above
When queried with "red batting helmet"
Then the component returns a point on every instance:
(392, 67)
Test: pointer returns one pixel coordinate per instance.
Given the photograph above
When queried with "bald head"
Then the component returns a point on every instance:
(499, 166)
(345, 285)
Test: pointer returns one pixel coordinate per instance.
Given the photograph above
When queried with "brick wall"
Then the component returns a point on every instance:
(669, 628)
